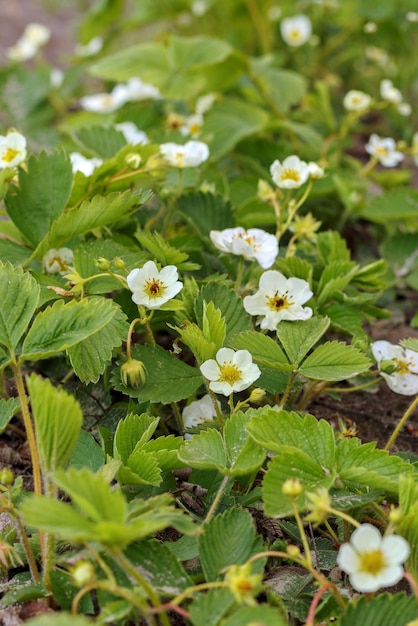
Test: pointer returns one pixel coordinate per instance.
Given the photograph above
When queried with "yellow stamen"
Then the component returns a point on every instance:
(290, 174)
(230, 373)
(372, 562)
(278, 302)
(154, 288)
(9, 155)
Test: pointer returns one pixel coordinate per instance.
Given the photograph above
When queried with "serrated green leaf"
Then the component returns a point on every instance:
(141, 468)
(214, 327)
(168, 379)
(410, 344)
(103, 141)
(24, 593)
(208, 608)
(335, 277)
(19, 296)
(87, 453)
(366, 465)
(265, 351)
(261, 615)
(381, 610)
(8, 408)
(90, 356)
(229, 122)
(332, 247)
(131, 433)
(149, 555)
(13, 252)
(334, 360)
(95, 213)
(162, 251)
(292, 464)
(61, 326)
(205, 451)
(281, 431)
(408, 524)
(396, 205)
(298, 337)
(345, 318)
(244, 455)
(192, 336)
(206, 212)
(165, 450)
(42, 195)
(231, 307)
(228, 539)
(295, 266)
(58, 418)
(284, 87)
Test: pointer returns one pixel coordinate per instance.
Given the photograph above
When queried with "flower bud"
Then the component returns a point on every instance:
(83, 573)
(242, 583)
(264, 191)
(293, 551)
(119, 263)
(7, 477)
(133, 373)
(102, 264)
(395, 516)
(133, 160)
(257, 395)
(292, 487)
(388, 366)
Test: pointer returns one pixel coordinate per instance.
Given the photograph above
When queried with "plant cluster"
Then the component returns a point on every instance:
(197, 232)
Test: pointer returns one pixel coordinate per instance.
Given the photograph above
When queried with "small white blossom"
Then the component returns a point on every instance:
(56, 77)
(274, 13)
(370, 28)
(199, 411)
(378, 55)
(37, 34)
(84, 165)
(132, 134)
(57, 261)
(230, 371)
(191, 154)
(389, 92)
(412, 16)
(105, 102)
(404, 108)
(22, 51)
(373, 561)
(192, 125)
(253, 243)
(152, 287)
(290, 174)
(12, 150)
(355, 100)
(401, 365)
(199, 8)
(279, 298)
(89, 49)
(315, 170)
(136, 90)
(204, 103)
(384, 150)
(296, 30)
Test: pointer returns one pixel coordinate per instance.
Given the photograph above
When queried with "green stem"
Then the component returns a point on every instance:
(23, 538)
(240, 273)
(218, 411)
(261, 25)
(129, 338)
(303, 537)
(216, 501)
(287, 390)
(366, 169)
(401, 424)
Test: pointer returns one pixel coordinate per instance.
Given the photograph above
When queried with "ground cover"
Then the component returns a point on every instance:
(208, 330)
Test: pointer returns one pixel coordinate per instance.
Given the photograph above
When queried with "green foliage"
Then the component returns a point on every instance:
(334, 361)
(228, 539)
(8, 408)
(381, 610)
(206, 212)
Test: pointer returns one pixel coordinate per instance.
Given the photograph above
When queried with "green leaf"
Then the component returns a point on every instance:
(24, 593)
(298, 337)
(410, 344)
(96, 213)
(284, 431)
(214, 326)
(141, 468)
(103, 141)
(398, 205)
(61, 326)
(90, 356)
(230, 305)
(165, 450)
(206, 212)
(58, 419)
(364, 464)
(87, 453)
(131, 433)
(208, 608)
(229, 122)
(19, 296)
(42, 195)
(381, 610)
(408, 525)
(332, 247)
(284, 87)
(8, 408)
(261, 615)
(292, 464)
(149, 555)
(334, 360)
(168, 379)
(14, 252)
(335, 277)
(345, 318)
(205, 451)
(228, 539)
(163, 252)
(265, 351)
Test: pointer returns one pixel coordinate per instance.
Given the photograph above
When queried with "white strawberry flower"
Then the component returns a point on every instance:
(192, 125)
(12, 149)
(231, 371)
(373, 561)
(199, 411)
(291, 173)
(401, 365)
(132, 134)
(89, 49)
(84, 165)
(136, 90)
(296, 30)
(315, 170)
(37, 34)
(384, 150)
(279, 298)
(191, 154)
(57, 261)
(152, 287)
(253, 243)
(205, 103)
(389, 92)
(105, 102)
(355, 100)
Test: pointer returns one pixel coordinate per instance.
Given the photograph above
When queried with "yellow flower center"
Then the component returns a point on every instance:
(230, 373)
(294, 34)
(250, 240)
(382, 151)
(179, 158)
(9, 154)
(154, 288)
(288, 174)
(278, 302)
(372, 562)
(195, 128)
(402, 366)
(61, 263)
